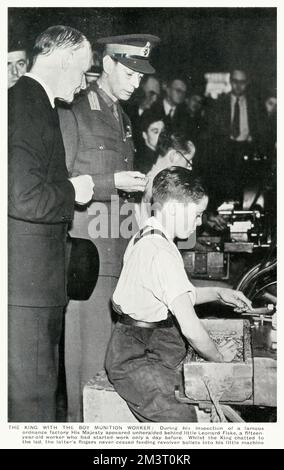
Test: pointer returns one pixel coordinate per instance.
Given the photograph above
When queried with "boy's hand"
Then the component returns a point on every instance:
(234, 298)
(228, 349)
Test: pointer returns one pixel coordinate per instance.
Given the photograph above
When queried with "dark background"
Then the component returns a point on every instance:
(193, 40)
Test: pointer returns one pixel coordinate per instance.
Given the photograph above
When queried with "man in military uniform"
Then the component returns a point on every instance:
(97, 135)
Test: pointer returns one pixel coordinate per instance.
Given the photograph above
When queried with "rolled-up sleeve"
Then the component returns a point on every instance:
(172, 278)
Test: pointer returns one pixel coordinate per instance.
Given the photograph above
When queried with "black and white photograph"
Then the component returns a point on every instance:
(142, 218)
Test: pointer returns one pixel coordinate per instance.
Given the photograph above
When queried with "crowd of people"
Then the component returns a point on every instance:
(66, 164)
(234, 135)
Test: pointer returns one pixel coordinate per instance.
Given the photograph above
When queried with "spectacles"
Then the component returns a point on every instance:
(188, 162)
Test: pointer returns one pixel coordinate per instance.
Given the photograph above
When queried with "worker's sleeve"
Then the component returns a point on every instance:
(172, 278)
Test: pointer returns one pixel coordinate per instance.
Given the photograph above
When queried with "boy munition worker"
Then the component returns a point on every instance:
(155, 304)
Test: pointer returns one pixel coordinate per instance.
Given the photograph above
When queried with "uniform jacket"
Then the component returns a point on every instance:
(96, 143)
(41, 199)
(145, 158)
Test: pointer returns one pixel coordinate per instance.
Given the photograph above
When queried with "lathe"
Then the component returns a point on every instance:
(250, 380)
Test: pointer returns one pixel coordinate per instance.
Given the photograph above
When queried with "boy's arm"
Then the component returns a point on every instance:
(196, 334)
(224, 295)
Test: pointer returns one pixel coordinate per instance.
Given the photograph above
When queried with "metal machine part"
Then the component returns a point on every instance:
(259, 284)
(249, 383)
(248, 232)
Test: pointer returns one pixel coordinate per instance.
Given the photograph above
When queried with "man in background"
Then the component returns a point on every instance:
(172, 107)
(151, 127)
(234, 130)
(145, 96)
(17, 61)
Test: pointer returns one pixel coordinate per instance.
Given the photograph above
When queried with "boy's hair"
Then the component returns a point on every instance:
(179, 184)
(168, 141)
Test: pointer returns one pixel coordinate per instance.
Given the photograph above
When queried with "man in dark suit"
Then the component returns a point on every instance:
(41, 204)
(141, 101)
(234, 130)
(172, 107)
(98, 138)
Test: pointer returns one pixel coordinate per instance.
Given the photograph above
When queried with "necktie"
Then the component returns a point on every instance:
(115, 111)
(236, 120)
(171, 113)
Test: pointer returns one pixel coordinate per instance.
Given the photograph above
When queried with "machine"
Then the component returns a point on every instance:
(245, 389)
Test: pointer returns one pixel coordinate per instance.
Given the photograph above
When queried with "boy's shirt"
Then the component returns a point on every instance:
(153, 276)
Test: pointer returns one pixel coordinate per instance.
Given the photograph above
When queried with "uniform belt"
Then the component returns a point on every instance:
(127, 320)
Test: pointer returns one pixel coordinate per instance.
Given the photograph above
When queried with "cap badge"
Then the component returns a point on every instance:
(146, 50)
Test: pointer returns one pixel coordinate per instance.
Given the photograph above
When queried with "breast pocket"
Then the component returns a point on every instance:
(104, 155)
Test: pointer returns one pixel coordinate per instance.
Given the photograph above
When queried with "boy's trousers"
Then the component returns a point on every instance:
(144, 366)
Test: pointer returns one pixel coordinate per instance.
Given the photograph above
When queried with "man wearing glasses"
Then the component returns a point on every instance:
(172, 150)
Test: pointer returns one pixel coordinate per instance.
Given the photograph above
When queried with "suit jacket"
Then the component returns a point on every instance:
(98, 144)
(179, 123)
(41, 199)
(220, 117)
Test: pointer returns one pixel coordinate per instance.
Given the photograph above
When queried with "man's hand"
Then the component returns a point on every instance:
(234, 298)
(130, 181)
(84, 188)
(228, 349)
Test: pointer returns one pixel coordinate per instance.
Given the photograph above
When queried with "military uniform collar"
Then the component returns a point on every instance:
(108, 98)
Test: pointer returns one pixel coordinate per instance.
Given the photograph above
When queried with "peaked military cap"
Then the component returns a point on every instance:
(131, 50)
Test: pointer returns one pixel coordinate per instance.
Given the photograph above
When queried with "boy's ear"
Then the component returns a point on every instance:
(171, 207)
(108, 64)
(191, 149)
(144, 135)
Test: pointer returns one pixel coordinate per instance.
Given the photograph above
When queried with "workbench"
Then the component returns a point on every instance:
(252, 382)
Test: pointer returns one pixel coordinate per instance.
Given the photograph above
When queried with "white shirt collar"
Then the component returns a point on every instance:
(155, 223)
(46, 88)
(168, 107)
(241, 98)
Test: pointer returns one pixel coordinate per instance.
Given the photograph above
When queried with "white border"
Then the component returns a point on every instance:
(273, 431)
